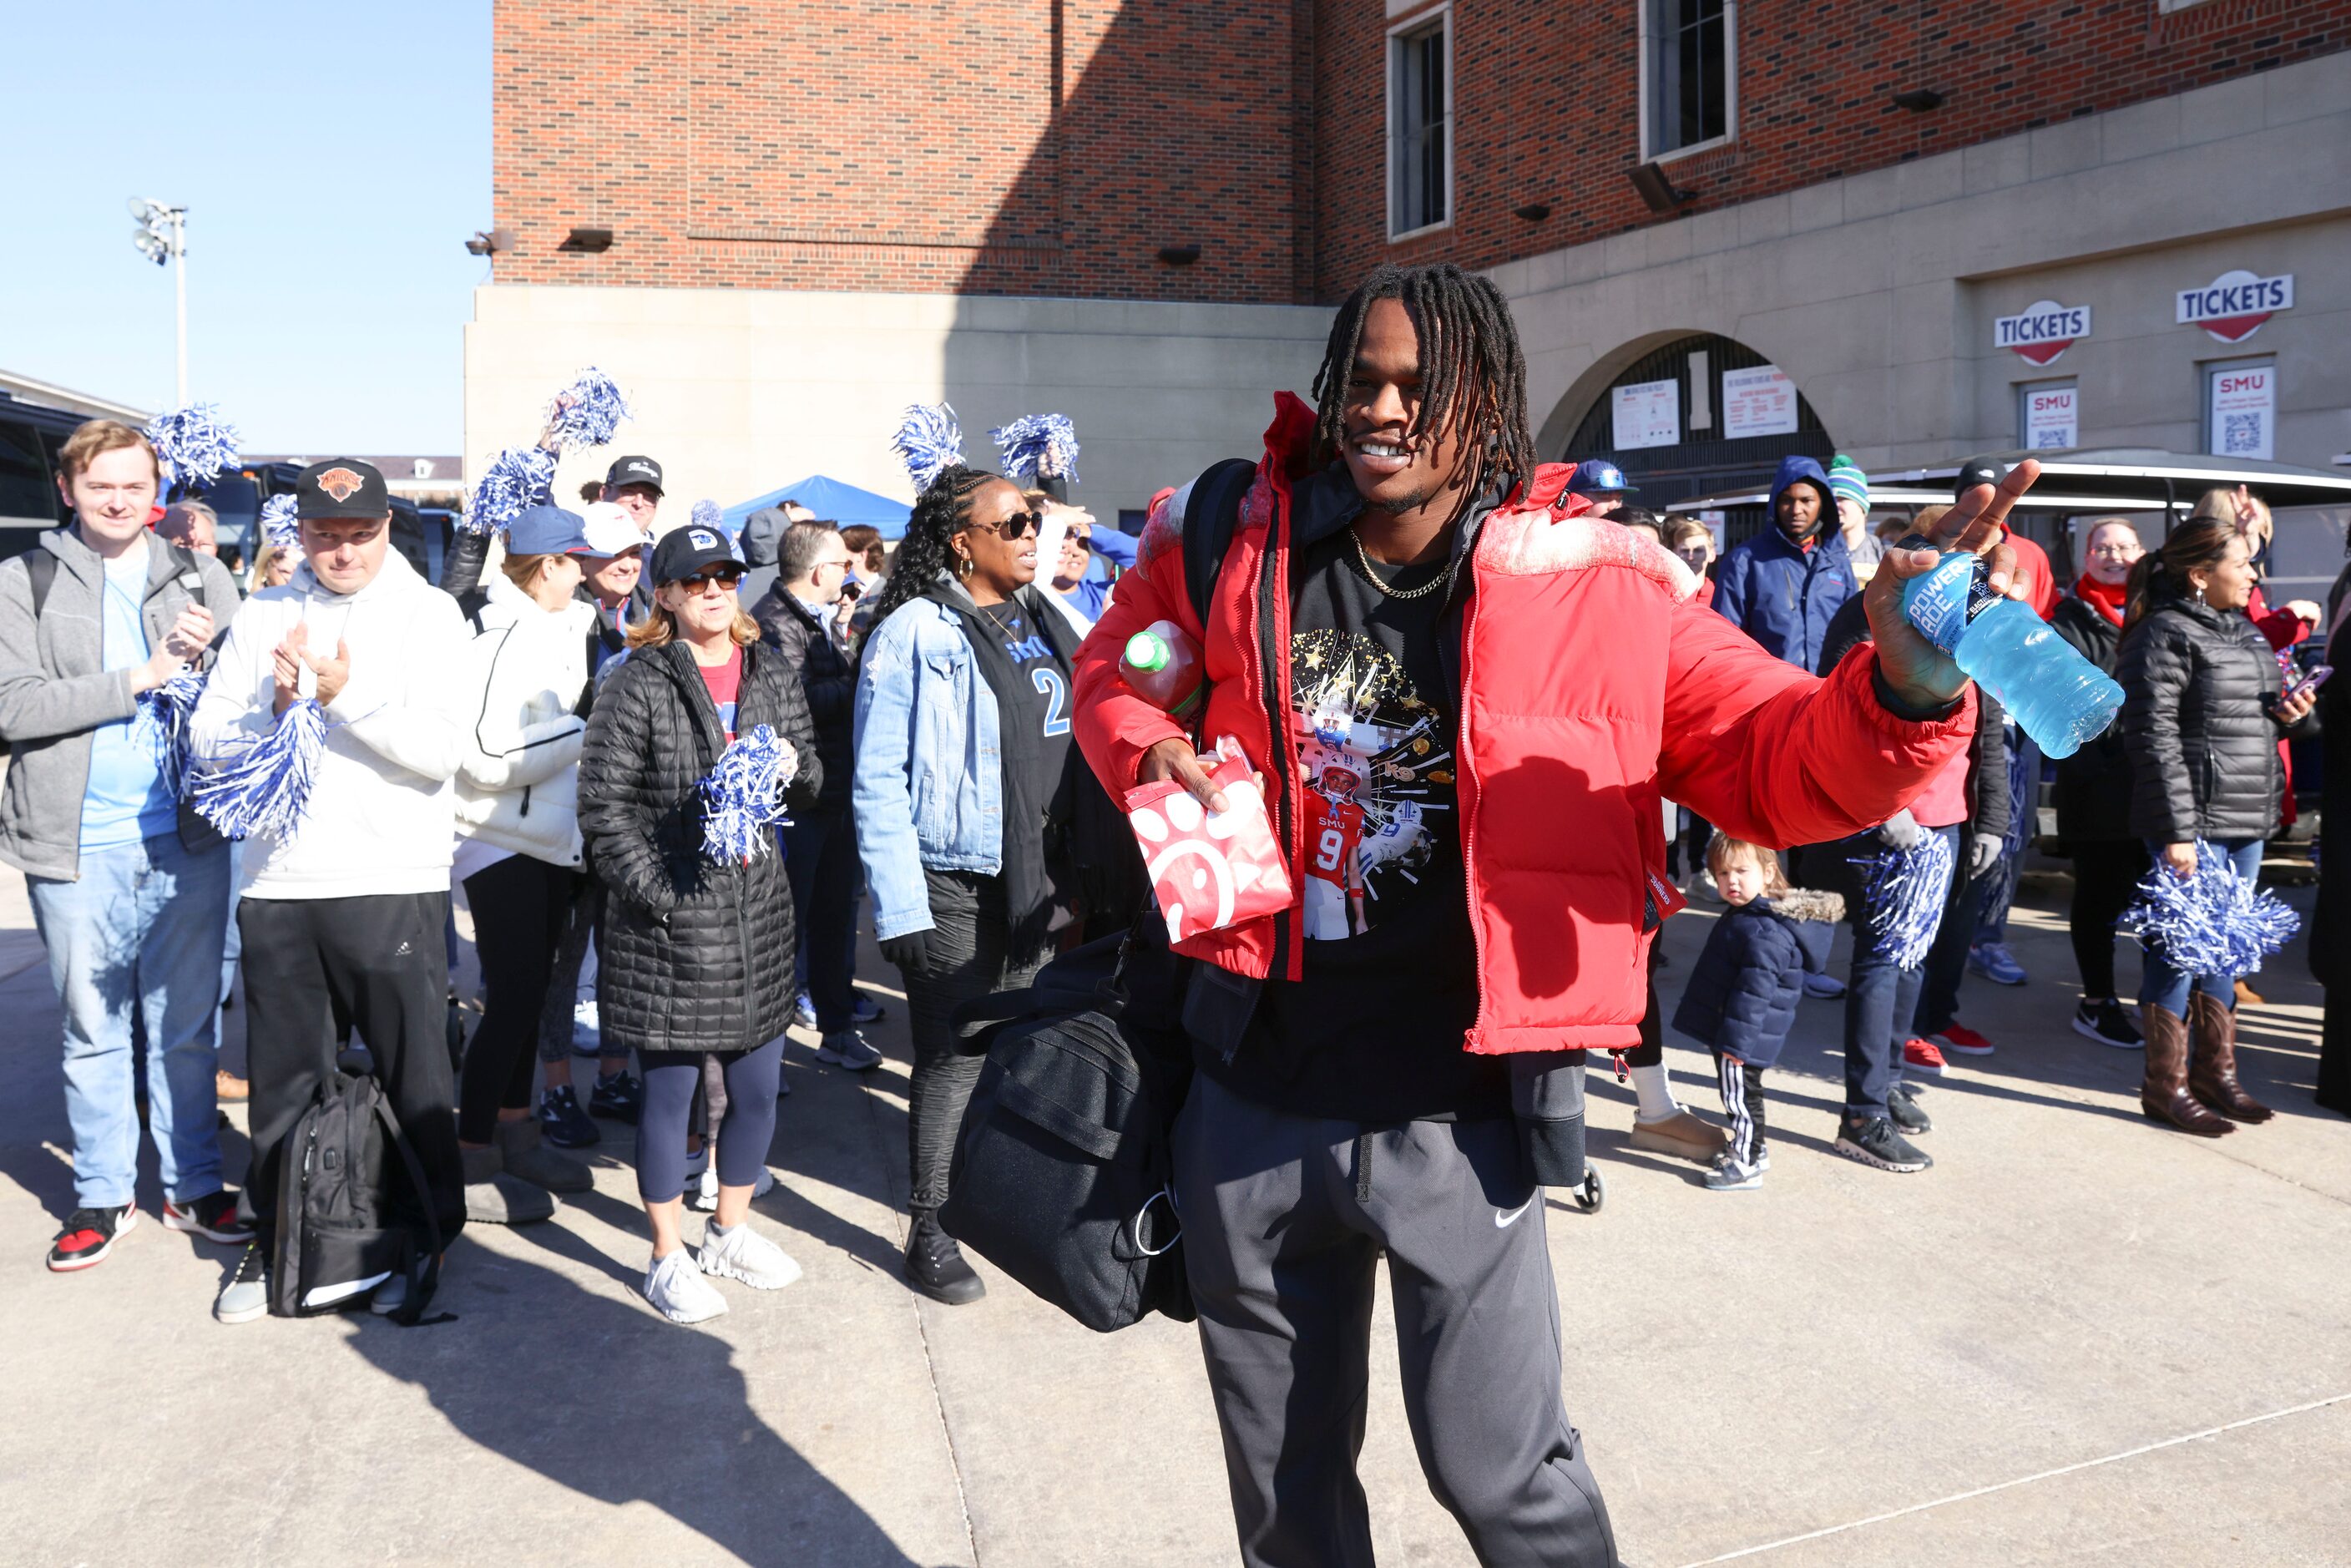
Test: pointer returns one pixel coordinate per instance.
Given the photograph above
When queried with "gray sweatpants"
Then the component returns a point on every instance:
(1285, 1218)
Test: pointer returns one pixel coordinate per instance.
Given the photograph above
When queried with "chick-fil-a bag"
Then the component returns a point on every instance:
(1209, 869)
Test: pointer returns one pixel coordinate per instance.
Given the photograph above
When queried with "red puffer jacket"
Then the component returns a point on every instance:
(1591, 684)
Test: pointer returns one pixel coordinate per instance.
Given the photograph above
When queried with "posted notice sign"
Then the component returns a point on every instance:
(2042, 331)
(1758, 401)
(2244, 419)
(2052, 417)
(1648, 413)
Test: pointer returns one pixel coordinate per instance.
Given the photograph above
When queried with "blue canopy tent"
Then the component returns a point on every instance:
(831, 500)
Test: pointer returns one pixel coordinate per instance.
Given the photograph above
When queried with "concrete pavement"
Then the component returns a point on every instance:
(1990, 1362)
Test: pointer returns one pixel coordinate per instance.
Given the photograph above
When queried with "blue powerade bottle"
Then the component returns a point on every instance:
(2060, 698)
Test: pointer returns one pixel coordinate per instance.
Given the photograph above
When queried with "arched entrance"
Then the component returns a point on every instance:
(1691, 450)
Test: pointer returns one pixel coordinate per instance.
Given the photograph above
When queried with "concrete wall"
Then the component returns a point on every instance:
(1877, 293)
(736, 392)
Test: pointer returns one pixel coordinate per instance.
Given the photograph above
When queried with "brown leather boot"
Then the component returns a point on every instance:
(2164, 1095)
(2212, 1075)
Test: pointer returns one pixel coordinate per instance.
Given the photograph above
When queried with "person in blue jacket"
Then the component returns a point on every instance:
(1741, 999)
(1781, 586)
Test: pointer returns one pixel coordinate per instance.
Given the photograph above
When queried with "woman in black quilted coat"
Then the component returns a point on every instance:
(693, 957)
(2201, 716)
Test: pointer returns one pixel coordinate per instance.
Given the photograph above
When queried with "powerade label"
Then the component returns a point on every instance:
(1941, 603)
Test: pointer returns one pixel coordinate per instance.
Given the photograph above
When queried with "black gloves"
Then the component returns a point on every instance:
(911, 952)
(1983, 853)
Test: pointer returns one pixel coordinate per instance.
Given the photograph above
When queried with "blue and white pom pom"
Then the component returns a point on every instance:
(168, 711)
(515, 478)
(259, 789)
(1906, 889)
(706, 515)
(2213, 923)
(1037, 445)
(193, 443)
(929, 442)
(743, 797)
(280, 528)
(593, 413)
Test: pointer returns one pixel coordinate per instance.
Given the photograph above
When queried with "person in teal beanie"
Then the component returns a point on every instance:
(1850, 485)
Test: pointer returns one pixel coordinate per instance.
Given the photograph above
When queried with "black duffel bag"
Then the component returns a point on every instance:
(1062, 1173)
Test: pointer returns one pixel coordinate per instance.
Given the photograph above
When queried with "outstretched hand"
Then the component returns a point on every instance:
(1921, 673)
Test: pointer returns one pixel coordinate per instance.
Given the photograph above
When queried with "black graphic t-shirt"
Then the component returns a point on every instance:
(1034, 709)
(1372, 1030)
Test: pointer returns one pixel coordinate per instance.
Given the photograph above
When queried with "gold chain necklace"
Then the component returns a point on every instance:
(1364, 559)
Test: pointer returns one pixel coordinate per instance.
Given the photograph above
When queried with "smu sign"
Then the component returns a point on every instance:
(2042, 331)
(2232, 307)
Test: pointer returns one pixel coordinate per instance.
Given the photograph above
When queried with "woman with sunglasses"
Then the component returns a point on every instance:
(962, 735)
(694, 958)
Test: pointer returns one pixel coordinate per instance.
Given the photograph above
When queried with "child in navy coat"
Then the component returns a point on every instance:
(1743, 997)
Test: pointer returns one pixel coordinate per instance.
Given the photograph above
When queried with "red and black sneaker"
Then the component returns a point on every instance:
(213, 1218)
(89, 1236)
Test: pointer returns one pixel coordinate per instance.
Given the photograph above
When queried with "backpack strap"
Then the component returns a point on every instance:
(1212, 516)
(41, 571)
(424, 1270)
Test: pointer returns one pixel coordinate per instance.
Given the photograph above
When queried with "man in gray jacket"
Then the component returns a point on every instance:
(129, 890)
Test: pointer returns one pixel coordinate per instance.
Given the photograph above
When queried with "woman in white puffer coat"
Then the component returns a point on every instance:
(520, 852)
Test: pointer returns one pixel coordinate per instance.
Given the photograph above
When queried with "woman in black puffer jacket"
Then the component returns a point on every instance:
(693, 957)
(2201, 717)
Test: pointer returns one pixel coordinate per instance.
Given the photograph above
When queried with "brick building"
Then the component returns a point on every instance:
(777, 223)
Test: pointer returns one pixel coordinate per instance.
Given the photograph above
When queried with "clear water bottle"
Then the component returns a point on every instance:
(1162, 667)
(2054, 695)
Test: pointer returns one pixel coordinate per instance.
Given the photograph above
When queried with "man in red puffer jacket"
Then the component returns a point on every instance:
(1466, 698)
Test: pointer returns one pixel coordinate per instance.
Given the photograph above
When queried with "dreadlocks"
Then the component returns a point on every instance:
(938, 515)
(1472, 371)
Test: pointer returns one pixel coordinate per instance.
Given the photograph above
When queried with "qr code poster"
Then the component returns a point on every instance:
(2243, 410)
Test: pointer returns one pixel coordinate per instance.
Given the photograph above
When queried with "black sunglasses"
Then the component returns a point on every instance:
(1018, 525)
(724, 576)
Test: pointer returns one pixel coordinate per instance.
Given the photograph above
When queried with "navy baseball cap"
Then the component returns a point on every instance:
(1595, 475)
(339, 489)
(682, 552)
(548, 530)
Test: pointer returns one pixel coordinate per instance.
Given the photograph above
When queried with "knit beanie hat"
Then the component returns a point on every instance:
(1847, 482)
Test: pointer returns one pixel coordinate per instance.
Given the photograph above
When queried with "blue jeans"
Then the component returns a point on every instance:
(235, 943)
(2162, 986)
(1879, 1002)
(140, 930)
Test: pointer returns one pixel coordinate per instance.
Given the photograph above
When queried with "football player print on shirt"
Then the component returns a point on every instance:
(1376, 764)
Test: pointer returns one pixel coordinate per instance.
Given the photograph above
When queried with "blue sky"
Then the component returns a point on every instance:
(333, 158)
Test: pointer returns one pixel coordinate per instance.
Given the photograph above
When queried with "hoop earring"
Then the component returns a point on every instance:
(963, 569)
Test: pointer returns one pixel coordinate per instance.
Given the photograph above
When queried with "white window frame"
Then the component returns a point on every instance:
(1440, 18)
(1647, 13)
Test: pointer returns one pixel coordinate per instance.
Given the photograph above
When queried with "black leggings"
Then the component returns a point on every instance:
(2106, 873)
(521, 907)
(968, 960)
(745, 1131)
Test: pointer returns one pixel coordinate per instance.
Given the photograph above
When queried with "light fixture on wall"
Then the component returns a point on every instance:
(1534, 212)
(489, 242)
(589, 242)
(1918, 99)
(1662, 195)
(1179, 255)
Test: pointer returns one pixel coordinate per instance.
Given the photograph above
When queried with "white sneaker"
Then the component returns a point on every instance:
(744, 1254)
(677, 1290)
(848, 1048)
(703, 1196)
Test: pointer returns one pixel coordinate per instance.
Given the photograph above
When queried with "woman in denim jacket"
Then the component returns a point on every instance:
(963, 732)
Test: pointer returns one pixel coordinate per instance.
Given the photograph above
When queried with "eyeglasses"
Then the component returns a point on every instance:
(2116, 550)
(726, 577)
(1018, 525)
(840, 565)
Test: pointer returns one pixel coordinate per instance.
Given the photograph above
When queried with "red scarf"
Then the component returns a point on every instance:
(2106, 597)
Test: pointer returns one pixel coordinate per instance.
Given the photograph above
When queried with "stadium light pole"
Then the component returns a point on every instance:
(162, 234)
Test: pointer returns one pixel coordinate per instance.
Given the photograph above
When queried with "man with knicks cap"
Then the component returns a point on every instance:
(342, 917)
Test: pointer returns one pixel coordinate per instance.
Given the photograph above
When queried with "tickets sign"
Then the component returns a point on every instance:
(2232, 307)
(2041, 330)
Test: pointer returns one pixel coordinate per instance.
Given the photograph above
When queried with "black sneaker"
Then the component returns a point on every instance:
(562, 1123)
(213, 1218)
(934, 1264)
(89, 1236)
(622, 1097)
(1902, 1106)
(868, 1010)
(2106, 1023)
(1875, 1143)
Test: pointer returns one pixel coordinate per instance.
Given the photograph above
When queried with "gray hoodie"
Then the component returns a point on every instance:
(54, 689)
(763, 540)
